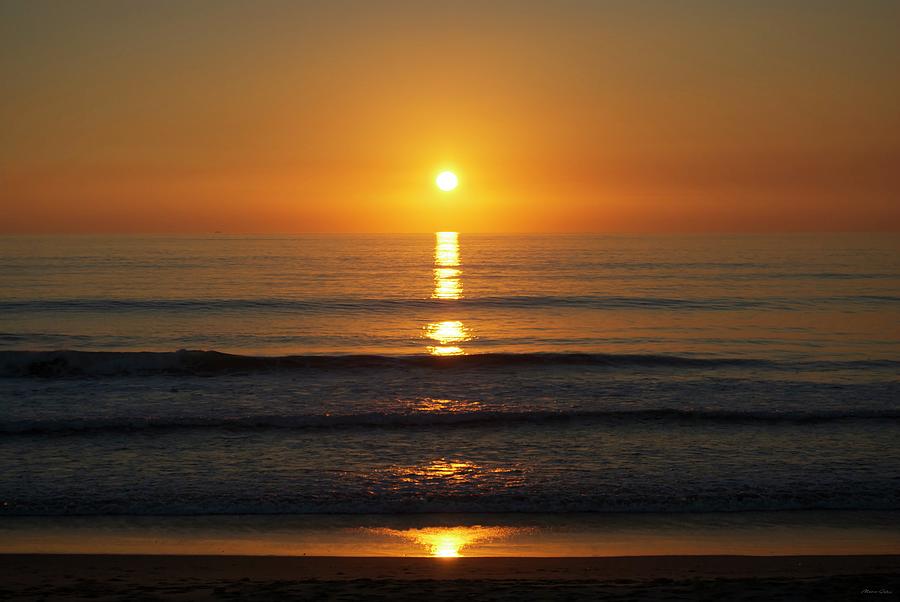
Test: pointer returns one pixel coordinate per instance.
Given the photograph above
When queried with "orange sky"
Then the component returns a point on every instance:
(567, 116)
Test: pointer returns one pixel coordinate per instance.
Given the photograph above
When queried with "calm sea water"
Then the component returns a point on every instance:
(445, 373)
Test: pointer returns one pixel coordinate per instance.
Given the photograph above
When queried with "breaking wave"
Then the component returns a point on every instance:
(429, 420)
(68, 363)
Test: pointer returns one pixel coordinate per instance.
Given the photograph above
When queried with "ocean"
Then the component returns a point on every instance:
(448, 373)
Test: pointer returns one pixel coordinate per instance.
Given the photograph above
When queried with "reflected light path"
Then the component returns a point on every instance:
(445, 405)
(446, 350)
(449, 542)
(450, 470)
(447, 286)
(456, 477)
(446, 333)
(446, 249)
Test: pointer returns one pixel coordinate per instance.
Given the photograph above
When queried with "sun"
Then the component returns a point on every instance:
(446, 181)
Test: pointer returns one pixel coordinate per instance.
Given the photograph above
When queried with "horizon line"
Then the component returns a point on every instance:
(479, 232)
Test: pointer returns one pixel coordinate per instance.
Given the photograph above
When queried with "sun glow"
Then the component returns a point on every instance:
(446, 181)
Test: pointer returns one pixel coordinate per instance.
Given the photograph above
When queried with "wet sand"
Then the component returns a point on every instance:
(793, 533)
(121, 577)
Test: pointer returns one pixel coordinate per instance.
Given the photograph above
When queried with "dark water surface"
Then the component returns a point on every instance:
(448, 373)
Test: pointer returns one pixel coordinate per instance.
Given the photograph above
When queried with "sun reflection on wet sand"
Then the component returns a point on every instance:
(449, 542)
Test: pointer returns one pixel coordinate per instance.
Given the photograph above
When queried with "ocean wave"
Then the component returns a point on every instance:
(829, 496)
(71, 363)
(354, 305)
(430, 420)
(123, 363)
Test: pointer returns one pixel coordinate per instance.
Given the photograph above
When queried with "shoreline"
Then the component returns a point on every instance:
(39, 576)
(774, 533)
(343, 568)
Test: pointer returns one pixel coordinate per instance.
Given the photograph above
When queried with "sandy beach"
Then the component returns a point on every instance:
(104, 577)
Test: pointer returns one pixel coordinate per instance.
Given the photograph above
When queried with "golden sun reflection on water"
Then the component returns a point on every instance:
(446, 333)
(449, 542)
(447, 286)
(441, 469)
(445, 405)
(452, 473)
(446, 249)
(447, 283)
(446, 350)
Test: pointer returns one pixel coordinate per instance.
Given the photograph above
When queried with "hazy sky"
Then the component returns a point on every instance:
(196, 116)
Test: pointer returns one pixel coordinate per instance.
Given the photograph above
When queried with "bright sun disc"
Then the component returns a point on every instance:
(446, 180)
